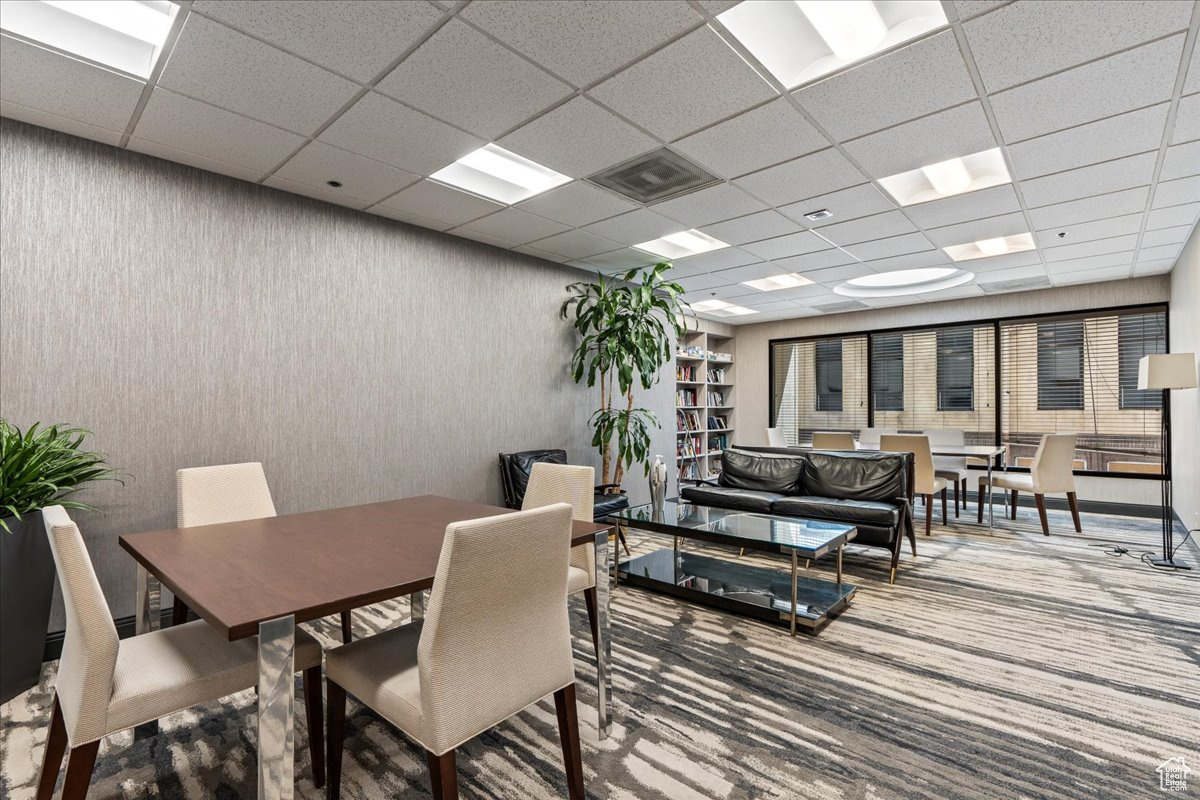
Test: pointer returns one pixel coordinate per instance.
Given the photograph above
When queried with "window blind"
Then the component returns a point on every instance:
(819, 385)
(887, 371)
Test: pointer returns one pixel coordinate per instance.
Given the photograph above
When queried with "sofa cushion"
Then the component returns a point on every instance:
(868, 512)
(762, 472)
(855, 476)
(605, 504)
(729, 497)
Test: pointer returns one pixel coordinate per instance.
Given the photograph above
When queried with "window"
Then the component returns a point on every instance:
(887, 371)
(828, 366)
(1060, 365)
(1139, 335)
(955, 369)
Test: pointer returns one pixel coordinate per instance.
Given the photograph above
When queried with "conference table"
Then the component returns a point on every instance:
(264, 576)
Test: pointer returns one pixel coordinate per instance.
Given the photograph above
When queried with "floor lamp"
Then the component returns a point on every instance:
(1167, 371)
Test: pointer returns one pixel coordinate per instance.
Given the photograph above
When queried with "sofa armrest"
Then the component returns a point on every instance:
(602, 488)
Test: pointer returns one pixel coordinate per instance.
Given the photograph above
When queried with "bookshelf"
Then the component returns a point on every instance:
(704, 402)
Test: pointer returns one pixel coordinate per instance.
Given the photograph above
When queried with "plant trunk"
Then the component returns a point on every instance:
(606, 448)
(26, 589)
(620, 464)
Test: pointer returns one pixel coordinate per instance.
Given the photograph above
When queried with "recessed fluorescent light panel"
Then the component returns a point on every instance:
(126, 35)
(986, 248)
(682, 244)
(499, 174)
(776, 282)
(800, 41)
(720, 308)
(902, 282)
(948, 178)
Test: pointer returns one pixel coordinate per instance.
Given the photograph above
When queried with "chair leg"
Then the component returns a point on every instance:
(979, 499)
(443, 776)
(621, 539)
(1040, 499)
(1014, 503)
(179, 612)
(944, 491)
(335, 738)
(80, 764)
(589, 597)
(928, 500)
(56, 747)
(314, 719)
(956, 498)
(347, 633)
(568, 731)
(1074, 511)
(964, 491)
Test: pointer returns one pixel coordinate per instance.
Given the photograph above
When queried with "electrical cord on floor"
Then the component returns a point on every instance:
(1116, 551)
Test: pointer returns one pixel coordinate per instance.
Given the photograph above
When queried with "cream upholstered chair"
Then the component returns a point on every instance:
(104, 685)
(567, 483)
(926, 483)
(489, 647)
(833, 441)
(775, 438)
(869, 437)
(952, 468)
(224, 493)
(1049, 473)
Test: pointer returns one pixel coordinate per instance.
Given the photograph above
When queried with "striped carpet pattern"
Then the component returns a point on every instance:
(1001, 665)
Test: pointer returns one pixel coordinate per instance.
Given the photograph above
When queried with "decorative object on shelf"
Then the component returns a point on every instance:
(39, 468)
(1167, 372)
(627, 329)
(658, 482)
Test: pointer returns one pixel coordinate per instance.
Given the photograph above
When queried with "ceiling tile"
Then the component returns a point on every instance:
(974, 230)
(1182, 160)
(46, 81)
(1161, 251)
(1087, 231)
(495, 241)
(387, 131)
(1187, 120)
(214, 133)
(820, 259)
(577, 203)
(1174, 215)
(1192, 84)
(216, 64)
(956, 293)
(890, 223)
(910, 82)
(1013, 274)
(583, 41)
(578, 138)
(1062, 34)
(1109, 176)
(1096, 247)
(1176, 192)
(971, 8)
(357, 38)
(666, 93)
(1089, 276)
(1090, 208)
(808, 176)
(893, 246)
(616, 260)
(990, 202)
(793, 244)
(994, 264)
(738, 292)
(1176, 235)
(361, 178)
(635, 227)
(1103, 88)
(530, 250)
(216, 165)
(813, 291)
(576, 244)
(517, 226)
(45, 119)
(716, 260)
(1158, 267)
(947, 134)
(701, 283)
(837, 274)
(706, 206)
(752, 228)
(750, 272)
(1122, 135)
(316, 192)
(407, 217)
(441, 203)
(1102, 261)
(778, 133)
(486, 94)
(846, 204)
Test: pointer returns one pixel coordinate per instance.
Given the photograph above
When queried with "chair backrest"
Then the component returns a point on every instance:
(869, 437)
(1079, 463)
(922, 457)
(562, 483)
(494, 642)
(84, 682)
(1051, 466)
(775, 438)
(833, 441)
(954, 437)
(224, 493)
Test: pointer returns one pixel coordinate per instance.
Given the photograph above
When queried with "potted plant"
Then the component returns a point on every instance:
(38, 468)
(627, 329)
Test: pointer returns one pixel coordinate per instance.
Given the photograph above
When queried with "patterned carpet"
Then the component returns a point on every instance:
(999, 666)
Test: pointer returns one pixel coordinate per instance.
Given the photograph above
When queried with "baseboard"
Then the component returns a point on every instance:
(126, 627)
(1085, 506)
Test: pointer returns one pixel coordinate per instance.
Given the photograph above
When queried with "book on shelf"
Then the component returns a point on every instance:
(685, 397)
(716, 398)
(690, 470)
(717, 422)
(685, 372)
(689, 446)
(716, 375)
(718, 442)
(687, 420)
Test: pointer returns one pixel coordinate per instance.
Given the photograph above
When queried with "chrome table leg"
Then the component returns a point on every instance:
(276, 708)
(149, 618)
(417, 605)
(795, 565)
(991, 503)
(839, 564)
(604, 642)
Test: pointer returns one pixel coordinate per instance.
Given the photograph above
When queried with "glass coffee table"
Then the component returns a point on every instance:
(766, 594)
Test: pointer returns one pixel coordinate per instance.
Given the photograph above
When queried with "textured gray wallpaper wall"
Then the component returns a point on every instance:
(189, 319)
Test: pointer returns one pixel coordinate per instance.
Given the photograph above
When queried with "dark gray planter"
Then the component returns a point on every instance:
(26, 589)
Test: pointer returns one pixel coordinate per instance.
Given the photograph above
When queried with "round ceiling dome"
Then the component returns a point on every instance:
(906, 281)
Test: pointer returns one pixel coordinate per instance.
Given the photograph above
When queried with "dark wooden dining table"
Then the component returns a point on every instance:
(261, 577)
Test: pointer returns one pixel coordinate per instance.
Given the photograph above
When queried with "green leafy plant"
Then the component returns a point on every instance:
(627, 329)
(44, 466)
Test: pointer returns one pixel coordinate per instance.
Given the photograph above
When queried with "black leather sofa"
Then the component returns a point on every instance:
(872, 491)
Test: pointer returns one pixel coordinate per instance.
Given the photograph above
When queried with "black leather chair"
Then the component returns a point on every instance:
(515, 469)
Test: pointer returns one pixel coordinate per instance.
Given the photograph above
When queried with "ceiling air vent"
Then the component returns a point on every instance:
(654, 176)
(1022, 284)
(844, 305)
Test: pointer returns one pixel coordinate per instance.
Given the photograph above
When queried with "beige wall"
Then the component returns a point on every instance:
(1185, 404)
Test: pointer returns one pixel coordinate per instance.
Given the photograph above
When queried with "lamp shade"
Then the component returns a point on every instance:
(1167, 371)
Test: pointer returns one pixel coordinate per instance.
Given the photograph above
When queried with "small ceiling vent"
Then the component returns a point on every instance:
(844, 305)
(654, 176)
(1015, 286)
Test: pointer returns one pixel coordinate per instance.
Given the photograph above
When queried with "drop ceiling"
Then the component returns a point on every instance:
(1094, 105)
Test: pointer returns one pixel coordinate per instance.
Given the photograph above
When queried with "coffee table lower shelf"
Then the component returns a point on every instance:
(758, 592)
